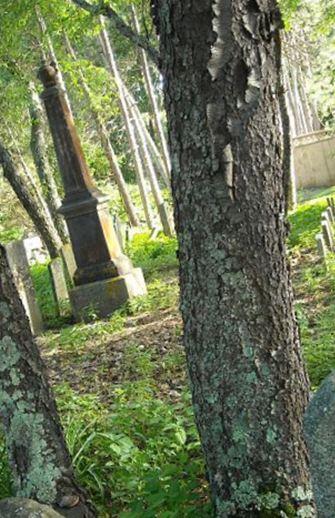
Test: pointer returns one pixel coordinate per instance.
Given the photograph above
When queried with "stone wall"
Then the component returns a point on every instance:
(314, 159)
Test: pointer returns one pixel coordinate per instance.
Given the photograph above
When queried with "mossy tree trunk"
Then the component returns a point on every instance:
(41, 465)
(221, 67)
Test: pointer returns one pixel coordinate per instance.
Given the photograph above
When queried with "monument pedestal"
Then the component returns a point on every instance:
(104, 276)
(104, 297)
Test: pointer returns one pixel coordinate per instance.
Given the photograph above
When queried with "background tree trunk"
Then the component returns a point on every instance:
(152, 98)
(109, 55)
(221, 64)
(106, 143)
(40, 462)
(31, 202)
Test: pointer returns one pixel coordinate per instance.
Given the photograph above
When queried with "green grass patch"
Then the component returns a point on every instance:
(153, 255)
(314, 289)
(45, 297)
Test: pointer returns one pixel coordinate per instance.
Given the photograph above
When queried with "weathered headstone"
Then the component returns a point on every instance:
(321, 245)
(56, 269)
(19, 266)
(101, 264)
(326, 217)
(331, 204)
(330, 214)
(120, 231)
(327, 234)
(25, 508)
(69, 260)
(35, 250)
(319, 428)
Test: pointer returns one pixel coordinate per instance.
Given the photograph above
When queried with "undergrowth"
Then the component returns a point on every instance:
(137, 452)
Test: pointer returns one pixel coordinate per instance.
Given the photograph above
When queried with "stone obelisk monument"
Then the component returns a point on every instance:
(105, 278)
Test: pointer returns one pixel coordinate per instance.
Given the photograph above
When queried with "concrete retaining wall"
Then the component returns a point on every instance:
(314, 159)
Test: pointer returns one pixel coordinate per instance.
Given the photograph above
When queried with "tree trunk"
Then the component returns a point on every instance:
(221, 64)
(155, 189)
(108, 52)
(41, 465)
(132, 104)
(290, 188)
(38, 212)
(106, 143)
(39, 151)
(152, 98)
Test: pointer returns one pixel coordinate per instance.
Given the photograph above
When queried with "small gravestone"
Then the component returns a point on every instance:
(25, 508)
(326, 217)
(319, 426)
(330, 214)
(120, 231)
(327, 234)
(56, 269)
(35, 250)
(18, 263)
(321, 245)
(331, 204)
(69, 260)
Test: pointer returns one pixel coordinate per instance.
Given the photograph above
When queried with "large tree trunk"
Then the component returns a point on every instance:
(40, 155)
(32, 203)
(113, 69)
(106, 143)
(41, 465)
(221, 64)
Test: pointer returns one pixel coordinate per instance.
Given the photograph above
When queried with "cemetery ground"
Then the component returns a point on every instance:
(121, 384)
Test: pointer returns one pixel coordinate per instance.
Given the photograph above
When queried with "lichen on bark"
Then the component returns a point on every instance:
(221, 64)
(41, 465)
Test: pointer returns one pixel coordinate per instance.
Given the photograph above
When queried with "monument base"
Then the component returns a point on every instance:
(101, 298)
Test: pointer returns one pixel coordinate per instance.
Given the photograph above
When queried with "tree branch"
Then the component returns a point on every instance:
(121, 26)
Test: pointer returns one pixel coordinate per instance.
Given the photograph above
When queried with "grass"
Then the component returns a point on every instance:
(121, 386)
(314, 290)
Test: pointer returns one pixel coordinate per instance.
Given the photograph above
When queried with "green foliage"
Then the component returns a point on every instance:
(153, 254)
(5, 472)
(142, 457)
(45, 296)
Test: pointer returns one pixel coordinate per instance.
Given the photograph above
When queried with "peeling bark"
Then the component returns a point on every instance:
(221, 64)
(40, 462)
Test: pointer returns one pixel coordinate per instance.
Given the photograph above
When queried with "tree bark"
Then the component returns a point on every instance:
(221, 64)
(31, 202)
(39, 151)
(152, 98)
(106, 143)
(109, 55)
(41, 465)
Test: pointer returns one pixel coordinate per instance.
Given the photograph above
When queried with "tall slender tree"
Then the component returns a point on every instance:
(32, 202)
